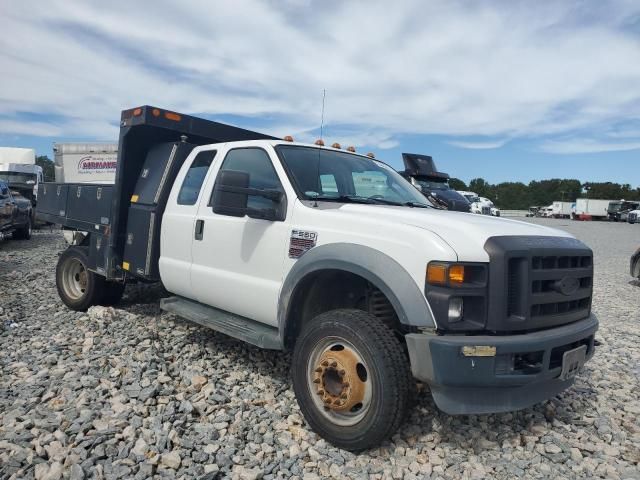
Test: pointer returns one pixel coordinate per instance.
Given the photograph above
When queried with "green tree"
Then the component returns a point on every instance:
(48, 170)
(457, 184)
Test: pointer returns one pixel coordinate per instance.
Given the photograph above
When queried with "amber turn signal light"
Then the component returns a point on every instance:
(456, 274)
(445, 274)
(437, 274)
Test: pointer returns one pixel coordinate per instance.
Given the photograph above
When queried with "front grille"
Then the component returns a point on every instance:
(538, 282)
(549, 290)
(633, 217)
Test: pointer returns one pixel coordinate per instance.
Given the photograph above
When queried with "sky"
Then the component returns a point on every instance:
(503, 90)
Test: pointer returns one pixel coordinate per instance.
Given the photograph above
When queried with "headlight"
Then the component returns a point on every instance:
(457, 293)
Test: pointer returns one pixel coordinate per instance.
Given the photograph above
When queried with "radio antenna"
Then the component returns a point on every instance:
(324, 93)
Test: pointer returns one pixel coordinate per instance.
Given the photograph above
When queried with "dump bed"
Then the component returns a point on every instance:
(123, 220)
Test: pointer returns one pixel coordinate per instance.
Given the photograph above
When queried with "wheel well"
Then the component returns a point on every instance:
(325, 290)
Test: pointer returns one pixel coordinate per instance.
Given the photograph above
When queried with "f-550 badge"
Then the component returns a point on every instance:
(301, 242)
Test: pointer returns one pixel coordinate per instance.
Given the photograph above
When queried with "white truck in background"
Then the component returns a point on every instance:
(562, 209)
(477, 204)
(19, 170)
(85, 162)
(494, 211)
(590, 209)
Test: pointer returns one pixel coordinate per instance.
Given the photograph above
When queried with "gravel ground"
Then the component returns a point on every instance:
(133, 393)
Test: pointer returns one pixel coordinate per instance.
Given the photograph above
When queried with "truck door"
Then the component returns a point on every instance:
(238, 261)
(178, 222)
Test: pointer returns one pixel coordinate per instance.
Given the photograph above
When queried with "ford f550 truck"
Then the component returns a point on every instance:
(336, 257)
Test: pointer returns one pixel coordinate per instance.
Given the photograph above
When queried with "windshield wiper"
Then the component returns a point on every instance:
(368, 200)
(342, 199)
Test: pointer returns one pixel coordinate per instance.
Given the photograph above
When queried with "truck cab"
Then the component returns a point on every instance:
(15, 213)
(335, 257)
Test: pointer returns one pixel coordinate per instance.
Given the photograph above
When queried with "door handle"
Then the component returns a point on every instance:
(199, 229)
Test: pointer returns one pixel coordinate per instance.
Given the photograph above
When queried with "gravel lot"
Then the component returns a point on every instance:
(133, 393)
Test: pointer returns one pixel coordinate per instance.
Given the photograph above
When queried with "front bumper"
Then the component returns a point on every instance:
(503, 382)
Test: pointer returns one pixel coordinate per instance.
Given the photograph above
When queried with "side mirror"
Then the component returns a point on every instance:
(230, 193)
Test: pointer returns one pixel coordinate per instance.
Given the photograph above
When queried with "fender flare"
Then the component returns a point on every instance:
(378, 268)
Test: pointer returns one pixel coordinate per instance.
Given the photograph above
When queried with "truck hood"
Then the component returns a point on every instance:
(466, 233)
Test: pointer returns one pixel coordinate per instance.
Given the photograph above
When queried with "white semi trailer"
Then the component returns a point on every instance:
(85, 162)
(590, 209)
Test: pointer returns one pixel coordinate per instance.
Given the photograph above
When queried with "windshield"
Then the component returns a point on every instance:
(341, 176)
(472, 198)
(18, 177)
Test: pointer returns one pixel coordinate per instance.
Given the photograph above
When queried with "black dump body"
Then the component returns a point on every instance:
(123, 220)
(422, 169)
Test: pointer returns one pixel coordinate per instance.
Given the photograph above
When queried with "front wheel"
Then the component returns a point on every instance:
(351, 378)
(78, 287)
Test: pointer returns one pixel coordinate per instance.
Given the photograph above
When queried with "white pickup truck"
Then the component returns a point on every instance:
(333, 256)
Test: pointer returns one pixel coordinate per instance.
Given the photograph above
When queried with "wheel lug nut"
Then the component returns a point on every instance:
(327, 400)
(342, 372)
(317, 380)
(318, 370)
(325, 363)
(320, 392)
(337, 402)
(334, 364)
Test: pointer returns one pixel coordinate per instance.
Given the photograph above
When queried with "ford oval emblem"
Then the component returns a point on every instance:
(567, 286)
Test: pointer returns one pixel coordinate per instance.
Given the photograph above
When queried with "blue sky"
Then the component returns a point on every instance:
(507, 91)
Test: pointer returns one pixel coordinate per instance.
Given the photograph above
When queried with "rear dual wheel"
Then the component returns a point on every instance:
(351, 378)
(78, 287)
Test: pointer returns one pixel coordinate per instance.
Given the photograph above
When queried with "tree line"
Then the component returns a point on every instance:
(520, 196)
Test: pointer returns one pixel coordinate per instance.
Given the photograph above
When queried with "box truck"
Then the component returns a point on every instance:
(334, 256)
(562, 209)
(85, 162)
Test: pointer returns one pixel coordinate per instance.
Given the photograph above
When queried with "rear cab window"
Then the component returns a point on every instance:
(192, 183)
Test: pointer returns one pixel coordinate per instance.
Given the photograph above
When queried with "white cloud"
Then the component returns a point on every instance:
(478, 145)
(452, 68)
(586, 145)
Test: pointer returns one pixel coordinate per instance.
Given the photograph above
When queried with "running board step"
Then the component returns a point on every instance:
(258, 334)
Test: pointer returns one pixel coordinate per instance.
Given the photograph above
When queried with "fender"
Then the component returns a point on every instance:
(376, 267)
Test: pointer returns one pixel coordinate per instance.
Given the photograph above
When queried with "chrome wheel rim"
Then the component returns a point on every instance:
(74, 279)
(339, 381)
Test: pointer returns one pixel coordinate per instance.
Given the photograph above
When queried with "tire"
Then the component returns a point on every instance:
(24, 233)
(373, 402)
(78, 287)
(111, 293)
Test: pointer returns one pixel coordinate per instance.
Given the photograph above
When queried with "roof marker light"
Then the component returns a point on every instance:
(336, 145)
(172, 116)
(351, 149)
(156, 112)
(137, 112)
(320, 142)
(288, 138)
(371, 155)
